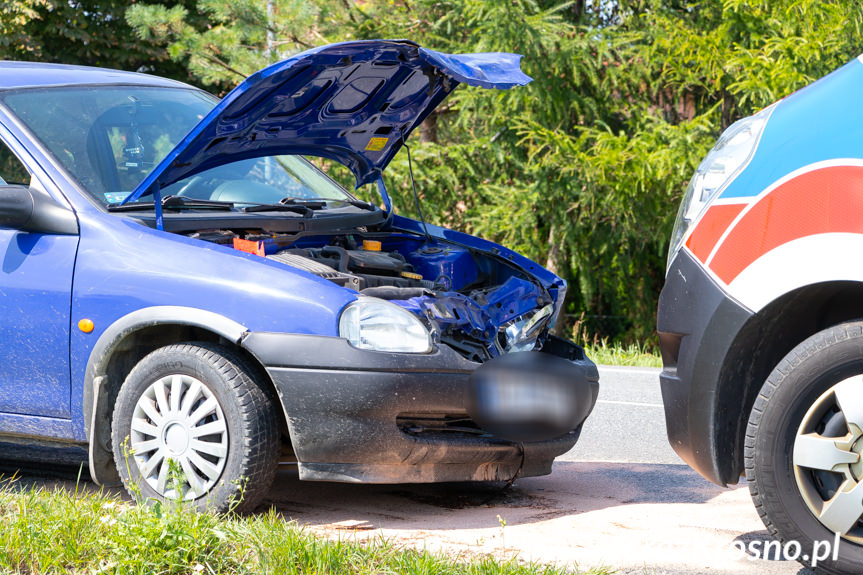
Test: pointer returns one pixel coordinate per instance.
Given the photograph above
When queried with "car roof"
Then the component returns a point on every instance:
(36, 74)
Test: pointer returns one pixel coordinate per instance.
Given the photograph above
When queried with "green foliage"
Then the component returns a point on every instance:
(746, 54)
(58, 531)
(14, 17)
(581, 170)
(87, 32)
(240, 38)
(604, 353)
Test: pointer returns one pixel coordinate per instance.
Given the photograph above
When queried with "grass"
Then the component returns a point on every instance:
(603, 353)
(62, 531)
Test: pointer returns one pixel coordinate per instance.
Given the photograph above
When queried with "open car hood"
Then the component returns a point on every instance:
(353, 102)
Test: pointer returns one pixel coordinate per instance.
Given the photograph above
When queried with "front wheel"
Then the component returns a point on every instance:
(803, 449)
(191, 423)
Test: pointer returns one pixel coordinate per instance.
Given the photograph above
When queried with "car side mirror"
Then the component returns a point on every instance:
(30, 209)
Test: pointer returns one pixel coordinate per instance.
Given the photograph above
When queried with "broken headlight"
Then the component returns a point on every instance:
(520, 334)
(376, 324)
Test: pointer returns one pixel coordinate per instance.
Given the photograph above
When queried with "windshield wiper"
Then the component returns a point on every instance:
(311, 204)
(306, 212)
(296, 205)
(358, 204)
(304, 207)
(322, 203)
(172, 202)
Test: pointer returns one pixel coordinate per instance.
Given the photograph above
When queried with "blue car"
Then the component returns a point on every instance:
(187, 296)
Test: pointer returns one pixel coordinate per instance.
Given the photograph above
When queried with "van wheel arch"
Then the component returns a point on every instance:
(762, 343)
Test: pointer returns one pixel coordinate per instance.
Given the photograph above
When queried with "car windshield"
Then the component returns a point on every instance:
(265, 180)
(111, 137)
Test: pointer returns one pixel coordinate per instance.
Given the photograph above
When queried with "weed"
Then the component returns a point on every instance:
(60, 531)
(502, 523)
(603, 353)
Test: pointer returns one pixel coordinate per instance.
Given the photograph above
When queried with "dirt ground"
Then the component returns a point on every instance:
(632, 518)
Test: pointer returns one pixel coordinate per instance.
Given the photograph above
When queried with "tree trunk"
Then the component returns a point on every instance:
(428, 129)
(554, 248)
(553, 264)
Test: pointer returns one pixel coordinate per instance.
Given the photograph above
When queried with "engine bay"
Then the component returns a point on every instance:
(479, 304)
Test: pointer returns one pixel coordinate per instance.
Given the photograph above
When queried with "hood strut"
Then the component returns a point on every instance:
(157, 207)
(414, 188)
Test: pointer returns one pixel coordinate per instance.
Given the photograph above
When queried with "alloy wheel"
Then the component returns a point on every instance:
(827, 461)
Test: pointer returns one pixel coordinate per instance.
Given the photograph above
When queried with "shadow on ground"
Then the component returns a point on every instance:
(589, 487)
(640, 518)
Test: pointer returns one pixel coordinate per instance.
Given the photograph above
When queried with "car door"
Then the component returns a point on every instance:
(35, 300)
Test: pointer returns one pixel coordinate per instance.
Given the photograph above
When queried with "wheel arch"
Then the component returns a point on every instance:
(128, 340)
(760, 345)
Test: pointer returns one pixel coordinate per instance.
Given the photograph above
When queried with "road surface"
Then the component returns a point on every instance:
(621, 499)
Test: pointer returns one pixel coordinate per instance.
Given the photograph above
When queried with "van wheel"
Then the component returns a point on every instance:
(191, 423)
(803, 448)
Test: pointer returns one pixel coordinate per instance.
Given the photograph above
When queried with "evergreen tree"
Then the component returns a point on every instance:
(86, 32)
(241, 36)
(581, 170)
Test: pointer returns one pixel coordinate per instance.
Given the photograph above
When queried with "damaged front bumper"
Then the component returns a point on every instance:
(371, 417)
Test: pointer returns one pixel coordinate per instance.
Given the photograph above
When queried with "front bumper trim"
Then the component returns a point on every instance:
(342, 405)
(697, 324)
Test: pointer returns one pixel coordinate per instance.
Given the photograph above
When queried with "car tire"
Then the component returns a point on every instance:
(198, 405)
(796, 479)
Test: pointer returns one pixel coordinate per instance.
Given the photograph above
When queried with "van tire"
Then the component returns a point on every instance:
(790, 395)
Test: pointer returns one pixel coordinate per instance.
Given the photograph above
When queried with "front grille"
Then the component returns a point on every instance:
(425, 424)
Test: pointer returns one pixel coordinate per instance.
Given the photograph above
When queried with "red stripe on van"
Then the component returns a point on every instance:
(710, 228)
(826, 200)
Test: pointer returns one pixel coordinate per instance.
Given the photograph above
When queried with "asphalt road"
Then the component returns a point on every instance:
(628, 422)
(621, 499)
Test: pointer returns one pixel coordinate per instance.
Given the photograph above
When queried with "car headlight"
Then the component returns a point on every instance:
(723, 163)
(520, 334)
(376, 324)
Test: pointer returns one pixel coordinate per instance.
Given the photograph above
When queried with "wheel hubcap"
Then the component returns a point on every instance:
(179, 437)
(176, 438)
(827, 460)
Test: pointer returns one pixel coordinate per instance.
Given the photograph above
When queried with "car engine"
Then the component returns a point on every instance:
(479, 305)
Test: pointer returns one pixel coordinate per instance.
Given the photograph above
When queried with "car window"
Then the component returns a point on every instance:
(109, 137)
(264, 180)
(12, 171)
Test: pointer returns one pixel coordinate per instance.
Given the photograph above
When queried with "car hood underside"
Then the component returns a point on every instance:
(353, 102)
